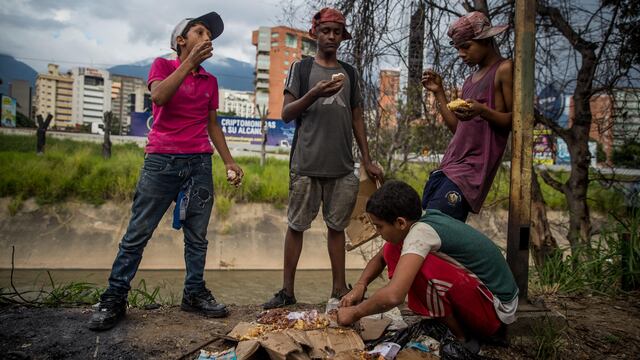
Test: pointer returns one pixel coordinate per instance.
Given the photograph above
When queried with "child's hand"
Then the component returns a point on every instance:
(234, 174)
(374, 172)
(326, 88)
(200, 53)
(354, 296)
(474, 109)
(432, 81)
(347, 316)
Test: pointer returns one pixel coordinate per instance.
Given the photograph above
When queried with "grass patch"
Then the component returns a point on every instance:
(73, 293)
(83, 293)
(548, 340)
(223, 206)
(15, 205)
(141, 296)
(610, 264)
(76, 170)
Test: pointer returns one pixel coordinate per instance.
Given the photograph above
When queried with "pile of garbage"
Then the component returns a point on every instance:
(280, 334)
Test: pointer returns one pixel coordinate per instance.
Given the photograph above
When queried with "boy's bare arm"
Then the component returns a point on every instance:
(374, 268)
(292, 108)
(217, 137)
(162, 91)
(360, 132)
(432, 81)
(389, 296)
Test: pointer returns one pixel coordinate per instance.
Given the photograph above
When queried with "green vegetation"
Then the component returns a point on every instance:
(81, 293)
(76, 170)
(547, 339)
(608, 266)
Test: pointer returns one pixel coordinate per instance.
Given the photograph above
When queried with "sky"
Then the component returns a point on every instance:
(102, 33)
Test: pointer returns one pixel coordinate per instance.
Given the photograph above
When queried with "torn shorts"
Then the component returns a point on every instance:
(336, 195)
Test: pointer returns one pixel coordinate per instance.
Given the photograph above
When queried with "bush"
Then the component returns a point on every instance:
(607, 266)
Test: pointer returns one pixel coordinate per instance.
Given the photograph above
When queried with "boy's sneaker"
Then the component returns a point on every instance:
(279, 300)
(203, 303)
(110, 311)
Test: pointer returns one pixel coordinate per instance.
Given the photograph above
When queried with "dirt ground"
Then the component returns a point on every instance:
(597, 328)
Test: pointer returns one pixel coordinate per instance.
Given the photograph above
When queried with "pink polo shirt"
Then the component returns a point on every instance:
(180, 125)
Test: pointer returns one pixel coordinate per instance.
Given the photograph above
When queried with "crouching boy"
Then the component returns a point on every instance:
(450, 271)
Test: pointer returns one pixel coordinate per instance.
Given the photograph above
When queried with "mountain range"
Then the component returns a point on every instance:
(231, 74)
(12, 69)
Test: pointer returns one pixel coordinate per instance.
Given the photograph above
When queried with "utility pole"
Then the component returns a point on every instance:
(522, 142)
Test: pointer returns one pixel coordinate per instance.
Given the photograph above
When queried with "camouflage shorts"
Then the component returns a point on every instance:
(337, 196)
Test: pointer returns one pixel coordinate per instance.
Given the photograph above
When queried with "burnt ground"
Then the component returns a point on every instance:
(597, 328)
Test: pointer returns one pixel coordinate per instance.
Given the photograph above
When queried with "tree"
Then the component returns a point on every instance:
(590, 37)
(24, 121)
(107, 121)
(628, 155)
(41, 132)
(589, 48)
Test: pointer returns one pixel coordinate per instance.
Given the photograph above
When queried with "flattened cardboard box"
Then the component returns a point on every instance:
(295, 344)
(360, 229)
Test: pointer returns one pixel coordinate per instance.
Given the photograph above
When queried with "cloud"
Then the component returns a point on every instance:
(105, 33)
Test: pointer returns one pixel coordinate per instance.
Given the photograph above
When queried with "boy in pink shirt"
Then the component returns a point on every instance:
(177, 161)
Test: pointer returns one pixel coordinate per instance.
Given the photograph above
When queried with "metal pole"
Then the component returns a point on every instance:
(522, 140)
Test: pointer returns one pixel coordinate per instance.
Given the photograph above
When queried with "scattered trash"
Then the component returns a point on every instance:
(373, 328)
(387, 349)
(332, 304)
(426, 344)
(279, 334)
(229, 354)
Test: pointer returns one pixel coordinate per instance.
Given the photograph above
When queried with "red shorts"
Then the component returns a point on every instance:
(442, 288)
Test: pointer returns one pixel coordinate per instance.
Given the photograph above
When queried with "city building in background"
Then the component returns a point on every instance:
(627, 111)
(128, 94)
(53, 95)
(91, 96)
(276, 48)
(22, 92)
(238, 103)
(388, 97)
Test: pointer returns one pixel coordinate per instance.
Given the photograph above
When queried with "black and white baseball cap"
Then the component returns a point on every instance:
(212, 21)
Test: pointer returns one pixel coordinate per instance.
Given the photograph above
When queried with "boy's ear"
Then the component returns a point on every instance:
(180, 40)
(401, 223)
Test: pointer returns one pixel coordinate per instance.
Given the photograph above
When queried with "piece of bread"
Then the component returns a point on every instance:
(338, 76)
(458, 104)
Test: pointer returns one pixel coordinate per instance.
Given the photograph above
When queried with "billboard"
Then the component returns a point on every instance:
(247, 130)
(551, 102)
(8, 117)
(141, 123)
(562, 155)
(235, 129)
(542, 146)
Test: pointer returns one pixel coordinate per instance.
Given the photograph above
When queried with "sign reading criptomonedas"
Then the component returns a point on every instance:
(235, 129)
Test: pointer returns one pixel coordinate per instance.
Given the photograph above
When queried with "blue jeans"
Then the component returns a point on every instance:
(161, 178)
(442, 194)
